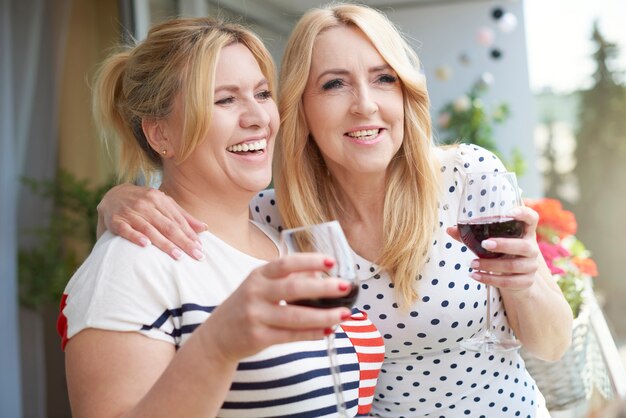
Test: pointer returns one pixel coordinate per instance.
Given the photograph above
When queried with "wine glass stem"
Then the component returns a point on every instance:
(488, 320)
(334, 371)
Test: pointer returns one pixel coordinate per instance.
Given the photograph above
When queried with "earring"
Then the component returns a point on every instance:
(164, 152)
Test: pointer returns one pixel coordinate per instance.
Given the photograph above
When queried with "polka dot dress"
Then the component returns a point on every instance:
(425, 372)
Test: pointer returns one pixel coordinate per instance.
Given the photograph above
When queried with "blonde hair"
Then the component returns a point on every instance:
(307, 195)
(141, 82)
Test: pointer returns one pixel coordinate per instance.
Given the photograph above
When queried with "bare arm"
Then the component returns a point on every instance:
(144, 215)
(124, 374)
(535, 306)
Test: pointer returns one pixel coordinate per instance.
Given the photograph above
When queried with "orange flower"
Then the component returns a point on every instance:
(553, 219)
(586, 266)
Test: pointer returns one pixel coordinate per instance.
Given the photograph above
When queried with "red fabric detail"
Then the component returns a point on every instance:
(62, 322)
(356, 335)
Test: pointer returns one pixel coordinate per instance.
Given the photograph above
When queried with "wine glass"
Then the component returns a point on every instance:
(327, 238)
(486, 201)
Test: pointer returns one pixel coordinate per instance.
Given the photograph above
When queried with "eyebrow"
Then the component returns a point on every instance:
(341, 71)
(235, 88)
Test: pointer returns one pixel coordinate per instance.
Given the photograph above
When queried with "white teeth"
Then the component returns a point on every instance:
(251, 146)
(364, 132)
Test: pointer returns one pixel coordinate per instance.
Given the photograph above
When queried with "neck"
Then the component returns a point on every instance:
(361, 197)
(362, 218)
(225, 213)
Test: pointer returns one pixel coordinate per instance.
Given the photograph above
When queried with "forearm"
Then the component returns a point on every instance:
(540, 317)
(138, 377)
(194, 384)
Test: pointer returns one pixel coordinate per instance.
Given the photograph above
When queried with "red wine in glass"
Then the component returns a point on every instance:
(476, 231)
(347, 301)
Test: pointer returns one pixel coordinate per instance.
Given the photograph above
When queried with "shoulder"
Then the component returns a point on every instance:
(105, 290)
(264, 210)
(467, 158)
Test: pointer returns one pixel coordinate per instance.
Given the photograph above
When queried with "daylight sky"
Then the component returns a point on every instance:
(559, 46)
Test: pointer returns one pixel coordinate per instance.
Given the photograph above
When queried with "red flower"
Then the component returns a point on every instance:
(586, 266)
(553, 219)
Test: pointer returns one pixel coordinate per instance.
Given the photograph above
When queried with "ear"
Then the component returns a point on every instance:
(153, 130)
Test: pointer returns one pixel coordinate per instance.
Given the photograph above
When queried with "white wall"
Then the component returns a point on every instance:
(441, 34)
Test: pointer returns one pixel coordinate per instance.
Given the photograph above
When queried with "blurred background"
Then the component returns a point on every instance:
(540, 82)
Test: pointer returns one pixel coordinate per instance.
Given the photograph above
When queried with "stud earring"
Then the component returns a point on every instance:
(164, 152)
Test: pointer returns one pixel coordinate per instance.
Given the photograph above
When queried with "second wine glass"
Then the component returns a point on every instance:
(327, 238)
(486, 201)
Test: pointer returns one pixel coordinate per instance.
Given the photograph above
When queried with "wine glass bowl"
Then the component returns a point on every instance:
(484, 212)
(325, 238)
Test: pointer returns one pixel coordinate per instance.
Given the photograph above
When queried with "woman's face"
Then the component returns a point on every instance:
(353, 104)
(237, 151)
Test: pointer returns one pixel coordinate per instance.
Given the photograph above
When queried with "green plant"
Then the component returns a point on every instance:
(45, 268)
(467, 120)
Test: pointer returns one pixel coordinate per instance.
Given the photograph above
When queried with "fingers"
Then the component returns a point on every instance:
(195, 225)
(299, 318)
(529, 217)
(511, 282)
(125, 231)
(453, 231)
(506, 266)
(294, 263)
(145, 215)
(168, 226)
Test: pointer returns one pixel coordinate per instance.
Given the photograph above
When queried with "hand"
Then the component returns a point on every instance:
(517, 271)
(144, 215)
(255, 316)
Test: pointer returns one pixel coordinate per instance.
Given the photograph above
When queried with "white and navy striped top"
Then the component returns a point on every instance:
(123, 287)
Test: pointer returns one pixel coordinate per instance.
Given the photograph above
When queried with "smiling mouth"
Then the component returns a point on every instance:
(255, 147)
(364, 134)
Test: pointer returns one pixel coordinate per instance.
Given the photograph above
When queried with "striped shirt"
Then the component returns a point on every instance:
(175, 297)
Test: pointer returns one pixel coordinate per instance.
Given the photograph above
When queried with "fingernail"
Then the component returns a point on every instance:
(346, 315)
(206, 227)
(177, 254)
(476, 277)
(328, 331)
(344, 286)
(328, 262)
(488, 244)
(144, 242)
(198, 254)
(199, 243)
(474, 264)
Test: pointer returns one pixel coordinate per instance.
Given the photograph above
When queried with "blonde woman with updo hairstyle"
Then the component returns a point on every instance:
(150, 335)
(356, 145)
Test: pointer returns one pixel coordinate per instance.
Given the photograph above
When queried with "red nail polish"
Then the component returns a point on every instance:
(344, 286)
(329, 263)
(328, 331)
(346, 315)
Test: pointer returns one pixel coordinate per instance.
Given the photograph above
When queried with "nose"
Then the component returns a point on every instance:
(364, 103)
(255, 114)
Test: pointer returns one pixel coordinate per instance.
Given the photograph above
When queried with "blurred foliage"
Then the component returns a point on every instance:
(467, 120)
(45, 268)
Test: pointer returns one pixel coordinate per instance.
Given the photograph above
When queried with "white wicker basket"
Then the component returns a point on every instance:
(568, 381)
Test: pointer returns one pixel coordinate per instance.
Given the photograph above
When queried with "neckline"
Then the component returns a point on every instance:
(265, 230)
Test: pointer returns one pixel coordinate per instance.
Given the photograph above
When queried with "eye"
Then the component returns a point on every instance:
(387, 79)
(264, 95)
(225, 101)
(333, 84)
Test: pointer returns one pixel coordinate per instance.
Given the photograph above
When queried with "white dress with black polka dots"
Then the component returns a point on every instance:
(425, 372)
